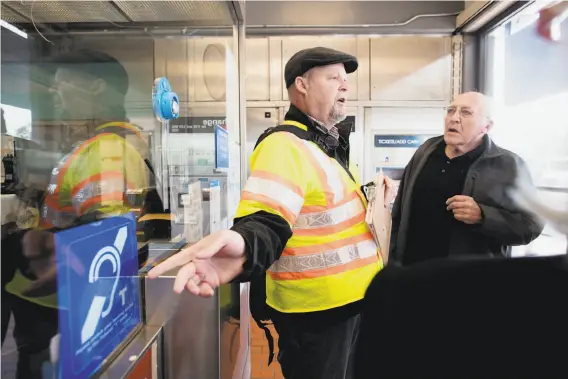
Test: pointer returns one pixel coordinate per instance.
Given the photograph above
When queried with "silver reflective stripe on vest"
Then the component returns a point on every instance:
(332, 171)
(97, 188)
(326, 259)
(57, 218)
(330, 217)
(276, 192)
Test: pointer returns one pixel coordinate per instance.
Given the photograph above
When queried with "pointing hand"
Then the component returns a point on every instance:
(216, 259)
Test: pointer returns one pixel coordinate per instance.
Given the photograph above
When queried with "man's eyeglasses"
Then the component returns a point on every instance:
(463, 112)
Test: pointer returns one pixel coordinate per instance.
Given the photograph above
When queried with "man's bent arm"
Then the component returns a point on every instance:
(265, 236)
(270, 202)
(507, 223)
(509, 227)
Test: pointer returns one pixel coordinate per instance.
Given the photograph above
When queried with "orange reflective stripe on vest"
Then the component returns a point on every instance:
(325, 260)
(328, 220)
(274, 192)
(331, 257)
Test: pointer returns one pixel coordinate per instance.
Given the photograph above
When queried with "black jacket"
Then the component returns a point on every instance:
(487, 182)
(483, 318)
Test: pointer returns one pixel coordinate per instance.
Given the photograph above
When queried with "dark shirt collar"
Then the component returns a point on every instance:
(294, 114)
(473, 155)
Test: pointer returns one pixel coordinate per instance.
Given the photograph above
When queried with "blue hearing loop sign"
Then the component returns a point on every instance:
(98, 292)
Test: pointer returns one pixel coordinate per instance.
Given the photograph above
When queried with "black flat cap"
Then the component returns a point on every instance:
(305, 60)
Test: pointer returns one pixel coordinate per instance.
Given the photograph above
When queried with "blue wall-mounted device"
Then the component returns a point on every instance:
(165, 102)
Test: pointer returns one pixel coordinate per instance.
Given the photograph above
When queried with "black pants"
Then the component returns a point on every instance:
(318, 345)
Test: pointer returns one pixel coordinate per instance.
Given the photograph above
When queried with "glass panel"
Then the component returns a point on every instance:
(528, 82)
(94, 186)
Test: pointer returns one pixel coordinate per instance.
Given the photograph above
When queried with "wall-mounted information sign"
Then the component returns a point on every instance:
(98, 292)
(196, 124)
(221, 148)
(391, 140)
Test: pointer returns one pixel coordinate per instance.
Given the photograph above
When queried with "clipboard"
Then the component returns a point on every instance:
(378, 216)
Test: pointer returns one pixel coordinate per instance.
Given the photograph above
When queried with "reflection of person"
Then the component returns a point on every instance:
(452, 200)
(3, 129)
(480, 318)
(102, 176)
(96, 176)
(300, 229)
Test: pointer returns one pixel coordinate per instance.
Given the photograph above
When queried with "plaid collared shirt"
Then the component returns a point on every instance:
(333, 131)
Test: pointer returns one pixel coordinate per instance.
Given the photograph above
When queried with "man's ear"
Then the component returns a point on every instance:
(489, 125)
(301, 85)
(98, 86)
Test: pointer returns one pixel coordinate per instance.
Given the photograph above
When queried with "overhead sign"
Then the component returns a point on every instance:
(98, 292)
(196, 124)
(221, 148)
(390, 140)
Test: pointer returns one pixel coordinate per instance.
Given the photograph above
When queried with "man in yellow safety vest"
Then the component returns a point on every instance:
(300, 226)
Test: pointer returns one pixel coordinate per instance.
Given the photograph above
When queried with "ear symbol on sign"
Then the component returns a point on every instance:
(107, 253)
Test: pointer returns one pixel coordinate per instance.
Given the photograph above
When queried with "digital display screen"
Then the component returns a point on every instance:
(98, 292)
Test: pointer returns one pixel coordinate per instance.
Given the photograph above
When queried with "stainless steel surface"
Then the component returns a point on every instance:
(137, 58)
(391, 68)
(11, 16)
(127, 359)
(471, 9)
(241, 34)
(411, 68)
(190, 12)
(190, 333)
(289, 14)
(177, 65)
(215, 12)
(486, 15)
(68, 11)
(276, 75)
(457, 65)
(196, 67)
(209, 69)
(258, 69)
(257, 123)
(243, 364)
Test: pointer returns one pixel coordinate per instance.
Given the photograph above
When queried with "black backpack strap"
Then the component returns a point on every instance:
(269, 338)
(300, 133)
(259, 309)
(321, 141)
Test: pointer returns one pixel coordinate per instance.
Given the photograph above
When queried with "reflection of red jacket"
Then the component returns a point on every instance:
(550, 16)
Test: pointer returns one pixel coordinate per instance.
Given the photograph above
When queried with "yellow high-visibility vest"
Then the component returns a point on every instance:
(97, 175)
(332, 257)
(19, 283)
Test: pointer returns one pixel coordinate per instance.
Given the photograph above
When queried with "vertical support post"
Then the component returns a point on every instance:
(457, 64)
(165, 172)
(241, 37)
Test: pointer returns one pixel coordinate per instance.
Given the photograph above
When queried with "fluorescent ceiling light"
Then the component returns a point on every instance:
(12, 28)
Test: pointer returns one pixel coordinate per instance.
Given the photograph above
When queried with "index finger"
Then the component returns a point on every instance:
(457, 198)
(183, 257)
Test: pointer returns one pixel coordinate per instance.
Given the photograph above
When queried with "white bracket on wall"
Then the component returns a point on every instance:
(457, 64)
